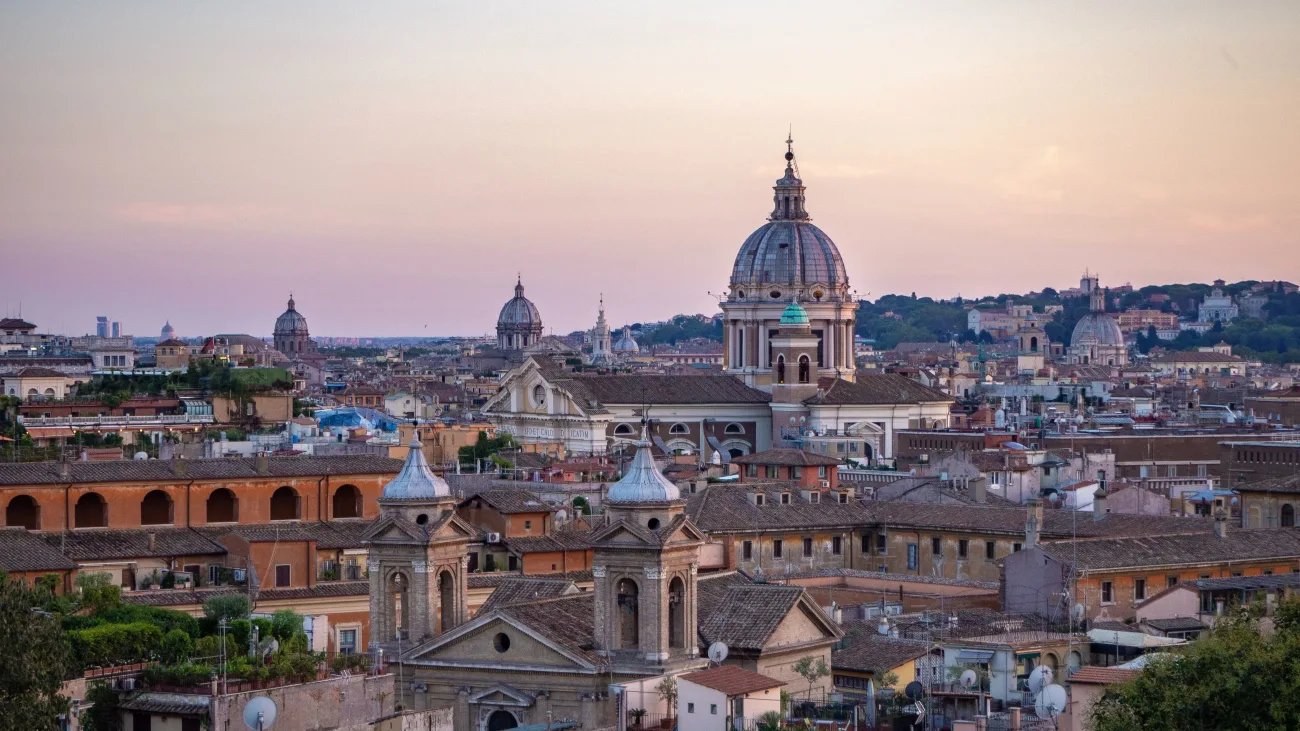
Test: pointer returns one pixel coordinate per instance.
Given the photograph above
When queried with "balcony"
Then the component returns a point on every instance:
(125, 421)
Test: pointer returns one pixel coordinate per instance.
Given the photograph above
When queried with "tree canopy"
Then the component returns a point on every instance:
(34, 661)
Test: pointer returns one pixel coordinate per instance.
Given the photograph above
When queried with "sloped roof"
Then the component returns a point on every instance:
(1195, 356)
(787, 457)
(1101, 675)
(874, 389)
(1285, 484)
(153, 470)
(1174, 550)
(643, 390)
(513, 500)
(732, 680)
(749, 615)
(91, 545)
(525, 590)
(863, 650)
(24, 551)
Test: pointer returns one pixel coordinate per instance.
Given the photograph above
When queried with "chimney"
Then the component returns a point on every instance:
(263, 463)
(65, 470)
(153, 543)
(1221, 523)
(1099, 502)
(178, 466)
(977, 488)
(1033, 521)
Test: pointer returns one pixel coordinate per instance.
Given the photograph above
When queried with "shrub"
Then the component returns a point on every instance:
(351, 662)
(228, 607)
(285, 623)
(240, 631)
(176, 646)
(98, 591)
(114, 644)
(209, 646)
(239, 667)
(165, 619)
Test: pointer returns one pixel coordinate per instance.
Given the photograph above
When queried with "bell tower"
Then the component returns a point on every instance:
(646, 558)
(418, 557)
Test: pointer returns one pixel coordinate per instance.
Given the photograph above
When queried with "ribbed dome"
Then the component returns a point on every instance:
(794, 314)
(626, 343)
(291, 322)
(1097, 327)
(643, 483)
(788, 253)
(416, 481)
(519, 310)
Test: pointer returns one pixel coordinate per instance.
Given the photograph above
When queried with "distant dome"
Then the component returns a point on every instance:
(626, 343)
(416, 481)
(519, 310)
(168, 332)
(1099, 328)
(291, 323)
(643, 483)
(794, 314)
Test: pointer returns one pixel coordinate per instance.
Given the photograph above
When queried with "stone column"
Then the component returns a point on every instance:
(653, 617)
(461, 720)
(590, 712)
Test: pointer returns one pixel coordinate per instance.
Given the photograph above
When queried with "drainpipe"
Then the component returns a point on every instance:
(188, 485)
(320, 500)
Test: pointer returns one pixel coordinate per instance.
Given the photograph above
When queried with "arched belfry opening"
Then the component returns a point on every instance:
(677, 613)
(629, 615)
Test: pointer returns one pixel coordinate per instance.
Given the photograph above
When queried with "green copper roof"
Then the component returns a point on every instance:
(794, 315)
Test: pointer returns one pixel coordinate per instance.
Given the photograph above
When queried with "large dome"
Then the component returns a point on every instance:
(519, 310)
(789, 253)
(291, 322)
(1097, 327)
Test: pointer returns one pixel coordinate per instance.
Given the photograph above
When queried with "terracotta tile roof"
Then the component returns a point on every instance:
(1099, 675)
(96, 544)
(732, 680)
(196, 597)
(1176, 624)
(1195, 356)
(1177, 550)
(34, 372)
(153, 470)
(652, 390)
(517, 591)
(15, 323)
(882, 388)
(748, 615)
(568, 621)
(497, 578)
(1283, 484)
(24, 551)
(513, 500)
(787, 457)
(864, 650)
(563, 540)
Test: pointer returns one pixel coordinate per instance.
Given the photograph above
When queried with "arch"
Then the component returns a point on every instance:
(735, 452)
(677, 613)
(1033, 344)
(1288, 516)
(804, 367)
(734, 428)
(223, 506)
(624, 430)
(33, 394)
(285, 504)
(156, 509)
(1051, 661)
(347, 502)
(736, 447)
(23, 512)
(679, 428)
(629, 615)
(49, 393)
(446, 602)
(90, 512)
(501, 720)
(679, 446)
(1076, 660)
(780, 369)
(399, 604)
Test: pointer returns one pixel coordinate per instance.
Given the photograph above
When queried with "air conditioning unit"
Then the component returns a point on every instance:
(494, 538)
(128, 684)
(826, 483)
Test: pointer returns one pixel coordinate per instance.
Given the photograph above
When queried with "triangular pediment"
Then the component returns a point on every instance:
(476, 644)
(627, 533)
(519, 382)
(394, 529)
(682, 530)
(454, 527)
(503, 695)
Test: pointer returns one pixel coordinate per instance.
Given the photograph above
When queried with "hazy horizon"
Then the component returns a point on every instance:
(395, 166)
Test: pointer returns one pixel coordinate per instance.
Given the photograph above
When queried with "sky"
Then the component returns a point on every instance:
(396, 165)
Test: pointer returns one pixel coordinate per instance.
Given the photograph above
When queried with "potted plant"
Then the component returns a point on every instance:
(637, 714)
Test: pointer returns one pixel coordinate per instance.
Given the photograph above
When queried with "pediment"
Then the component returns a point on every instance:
(454, 527)
(503, 695)
(627, 533)
(475, 645)
(394, 529)
(684, 532)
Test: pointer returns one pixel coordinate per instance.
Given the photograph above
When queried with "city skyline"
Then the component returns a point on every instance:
(625, 150)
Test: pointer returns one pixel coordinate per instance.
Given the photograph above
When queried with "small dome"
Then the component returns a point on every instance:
(626, 343)
(519, 310)
(291, 322)
(416, 481)
(643, 483)
(168, 332)
(794, 314)
(1099, 328)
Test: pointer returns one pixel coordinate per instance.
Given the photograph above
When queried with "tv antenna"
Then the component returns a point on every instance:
(260, 713)
(717, 652)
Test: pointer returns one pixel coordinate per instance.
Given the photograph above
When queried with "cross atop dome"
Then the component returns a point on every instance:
(789, 189)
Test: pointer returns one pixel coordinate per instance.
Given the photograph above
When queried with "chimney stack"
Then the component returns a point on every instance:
(1221, 523)
(65, 470)
(1099, 502)
(1033, 521)
(178, 466)
(263, 463)
(153, 543)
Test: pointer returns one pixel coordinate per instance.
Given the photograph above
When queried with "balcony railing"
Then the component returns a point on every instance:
(117, 420)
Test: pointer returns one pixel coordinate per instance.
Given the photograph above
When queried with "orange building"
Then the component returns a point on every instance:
(805, 469)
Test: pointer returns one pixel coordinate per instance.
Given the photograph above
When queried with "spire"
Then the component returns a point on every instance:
(643, 481)
(519, 285)
(291, 300)
(789, 189)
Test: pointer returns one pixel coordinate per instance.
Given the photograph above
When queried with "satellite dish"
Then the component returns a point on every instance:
(969, 679)
(1079, 612)
(1050, 702)
(717, 652)
(259, 714)
(1040, 678)
(141, 455)
(915, 690)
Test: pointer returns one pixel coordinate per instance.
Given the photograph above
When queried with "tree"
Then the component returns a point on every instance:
(812, 669)
(581, 506)
(667, 689)
(34, 661)
(229, 607)
(103, 714)
(1233, 677)
(98, 592)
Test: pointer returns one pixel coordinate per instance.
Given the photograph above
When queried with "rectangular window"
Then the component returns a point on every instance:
(962, 545)
(528, 525)
(807, 547)
(747, 550)
(1236, 573)
(794, 472)
(713, 709)
(777, 546)
(990, 550)
(936, 546)
(821, 471)
(837, 546)
(1267, 572)
(690, 708)
(814, 497)
(1015, 548)
(882, 543)
(1107, 592)
(773, 472)
(1201, 470)
(1171, 470)
(1171, 581)
(785, 498)
(283, 574)
(347, 641)
(1139, 589)
(844, 498)
(912, 558)
(759, 499)
(214, 574)
(751, 470)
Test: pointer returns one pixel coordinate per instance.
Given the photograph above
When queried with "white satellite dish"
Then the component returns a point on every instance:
(717, 652)
(1050, 702)
(1079, 612)
(260, 713)
(1040, 678)
(969, 678)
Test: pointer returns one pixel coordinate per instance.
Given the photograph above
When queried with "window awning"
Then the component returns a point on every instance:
(974, 656)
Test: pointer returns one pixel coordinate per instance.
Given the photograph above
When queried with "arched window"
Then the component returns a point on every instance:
(447, 602)
(285, 504)
(734, 428)
(399, 605)
(91, 511)
(677, 613)
(501, 720)
(156, 509)
(629, 620)
(223, 506)
(803, 368)
(679, 428)
(624, 430)
(49, 393)
(347, 502)
(1288, 516)
(780, 369)
(1033, 344)
(23, 512)
(33, 394)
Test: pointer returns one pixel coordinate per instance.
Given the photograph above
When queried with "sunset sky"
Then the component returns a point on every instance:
(395, 164)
